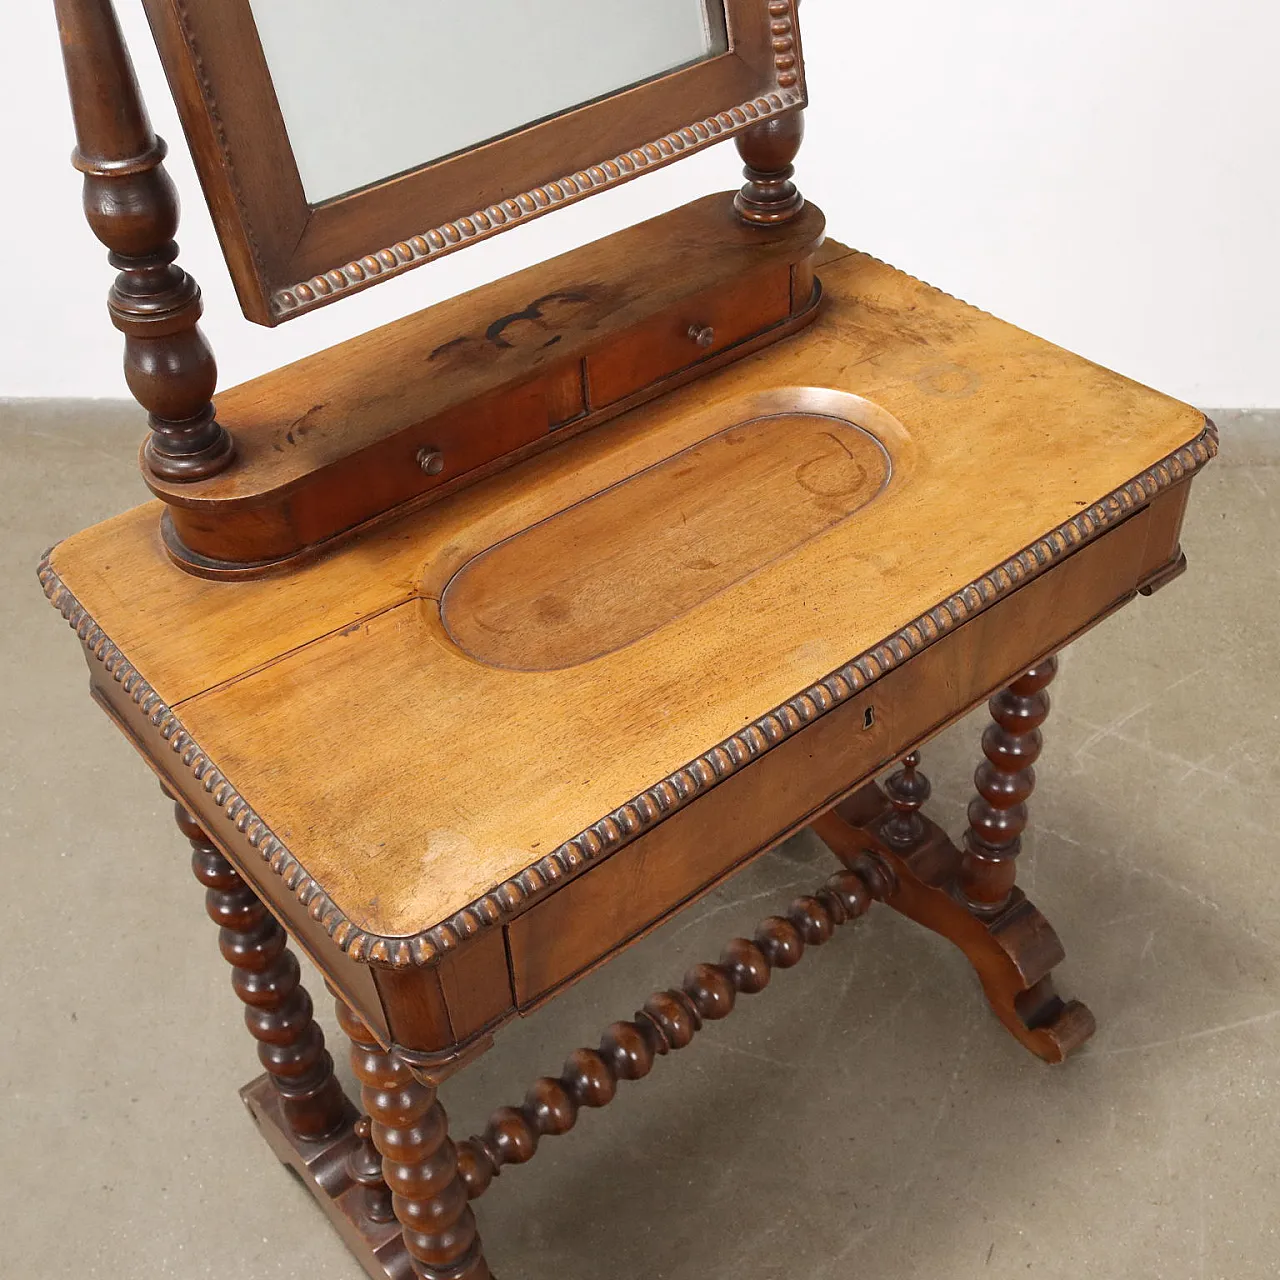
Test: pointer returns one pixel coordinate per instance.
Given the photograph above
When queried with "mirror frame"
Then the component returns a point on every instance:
(288, 256)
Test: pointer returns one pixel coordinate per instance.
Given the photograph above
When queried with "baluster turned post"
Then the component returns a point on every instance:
(769, 149)
(132, 207)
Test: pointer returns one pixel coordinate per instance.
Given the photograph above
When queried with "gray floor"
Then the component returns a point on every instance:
(865, 1116)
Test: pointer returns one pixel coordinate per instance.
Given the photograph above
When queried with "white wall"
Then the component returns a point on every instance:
(1104, 172)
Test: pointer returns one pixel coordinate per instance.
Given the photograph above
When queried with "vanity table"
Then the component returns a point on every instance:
(475, 648)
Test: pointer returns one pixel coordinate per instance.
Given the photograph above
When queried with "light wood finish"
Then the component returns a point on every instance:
(709, 516)
(624, 896)
(408, 779)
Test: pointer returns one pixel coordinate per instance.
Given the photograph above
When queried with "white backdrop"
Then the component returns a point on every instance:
(1103, 172)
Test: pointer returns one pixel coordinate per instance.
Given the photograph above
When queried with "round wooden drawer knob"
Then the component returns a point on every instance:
(431, 461)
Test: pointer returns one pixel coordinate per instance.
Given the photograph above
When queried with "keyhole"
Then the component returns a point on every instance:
(869, 718)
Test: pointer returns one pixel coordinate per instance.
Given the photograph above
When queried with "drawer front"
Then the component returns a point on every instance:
(646, 881)
(390, 473)
(692, 331)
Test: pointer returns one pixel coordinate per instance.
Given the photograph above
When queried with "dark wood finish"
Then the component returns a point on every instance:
(668, 1021)
(419, 1162)
(1013, 951)
(267, 978)
(324, 1168)
(132, 208)
(1005, 781)
(327, 446)
(769, 149)
(364, 1166)
(288, 257)
(714, 321)
(770, 197)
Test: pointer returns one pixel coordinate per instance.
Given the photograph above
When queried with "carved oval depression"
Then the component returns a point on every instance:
(630, 559)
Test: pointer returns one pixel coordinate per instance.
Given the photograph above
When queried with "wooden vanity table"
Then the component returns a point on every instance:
(475, 648)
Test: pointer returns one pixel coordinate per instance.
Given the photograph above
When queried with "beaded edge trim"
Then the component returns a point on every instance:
(627, 822)
(788, 92)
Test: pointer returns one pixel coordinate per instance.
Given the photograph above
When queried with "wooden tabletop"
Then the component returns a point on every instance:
(478, 698)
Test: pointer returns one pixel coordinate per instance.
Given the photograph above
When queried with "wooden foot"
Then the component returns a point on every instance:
(419, 1161)
(324, 1168)
(267, 978)
(1013, 949)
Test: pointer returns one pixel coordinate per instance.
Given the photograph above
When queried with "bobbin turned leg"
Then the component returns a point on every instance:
(1011, 946)
(266, 977)
(419, 1161)
(1005, 780)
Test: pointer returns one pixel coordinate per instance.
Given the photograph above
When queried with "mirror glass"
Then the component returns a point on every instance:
(371, 88)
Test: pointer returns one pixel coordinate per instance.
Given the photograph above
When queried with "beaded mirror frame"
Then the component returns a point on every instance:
(288, 256)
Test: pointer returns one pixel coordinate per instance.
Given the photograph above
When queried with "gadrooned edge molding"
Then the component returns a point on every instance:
(636, 816)
(404, 255)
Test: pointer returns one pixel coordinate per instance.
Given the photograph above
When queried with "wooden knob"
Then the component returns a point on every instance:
(431, 461)
(703, 334)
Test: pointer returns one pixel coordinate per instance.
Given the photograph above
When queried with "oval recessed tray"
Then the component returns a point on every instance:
(620, 564)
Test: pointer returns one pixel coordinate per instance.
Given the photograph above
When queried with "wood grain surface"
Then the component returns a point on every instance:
(662, 542)
(408, 779)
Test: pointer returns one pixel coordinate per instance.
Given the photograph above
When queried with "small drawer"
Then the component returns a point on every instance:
(432, 454)
(687, 333)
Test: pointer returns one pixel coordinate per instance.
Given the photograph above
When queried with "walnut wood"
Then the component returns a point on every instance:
(716, 513)
(288, 257)
(329, 444)
(323, 1167)
(1013, 951)
(669, 1020)
(967, 664)
(769, 197)
(907, 790)
(1005, 781)
(619, 897)
(267, 978)
(132, 208)
(419, 1162)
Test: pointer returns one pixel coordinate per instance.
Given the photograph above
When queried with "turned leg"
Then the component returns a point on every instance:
(1005, 780)
(969, 896)
(266, 976)
(419, 1161)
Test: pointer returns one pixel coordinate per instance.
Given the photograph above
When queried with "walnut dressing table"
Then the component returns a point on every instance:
(475, 648)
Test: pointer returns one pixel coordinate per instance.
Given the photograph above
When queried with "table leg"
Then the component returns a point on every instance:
(419, 1160)
(1005, 780)
(266, 976)
(969, 895)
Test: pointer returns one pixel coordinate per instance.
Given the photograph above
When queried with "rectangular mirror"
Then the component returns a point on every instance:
(506, 64)
(342, 143)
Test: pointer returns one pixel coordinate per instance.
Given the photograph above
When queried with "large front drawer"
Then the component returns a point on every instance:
(643, 883)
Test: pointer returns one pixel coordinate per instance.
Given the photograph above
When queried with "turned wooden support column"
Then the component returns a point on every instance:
(908, 791)
(769, 149)
(1005, 780)
(266, 976)
(132, 207)
(419, 1162)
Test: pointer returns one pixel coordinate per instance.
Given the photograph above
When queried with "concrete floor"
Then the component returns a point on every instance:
(865, 1116)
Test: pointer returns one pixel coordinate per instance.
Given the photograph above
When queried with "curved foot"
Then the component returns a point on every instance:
(1013, 951)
